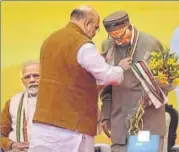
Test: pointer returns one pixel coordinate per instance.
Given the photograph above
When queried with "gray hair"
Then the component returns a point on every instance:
(27, 63)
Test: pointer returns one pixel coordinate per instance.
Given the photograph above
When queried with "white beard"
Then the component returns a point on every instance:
(32, 90)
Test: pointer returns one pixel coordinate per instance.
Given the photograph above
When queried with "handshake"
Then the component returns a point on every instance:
(125, 63)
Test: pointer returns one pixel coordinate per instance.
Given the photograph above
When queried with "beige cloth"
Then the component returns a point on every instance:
(29, 104)
(46, 138)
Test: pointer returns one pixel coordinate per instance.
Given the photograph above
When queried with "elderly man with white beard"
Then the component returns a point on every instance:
(16, 117)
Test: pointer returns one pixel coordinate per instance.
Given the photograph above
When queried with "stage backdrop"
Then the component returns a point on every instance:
(25, 25)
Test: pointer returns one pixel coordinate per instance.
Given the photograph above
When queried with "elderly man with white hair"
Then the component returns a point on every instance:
(16, 117)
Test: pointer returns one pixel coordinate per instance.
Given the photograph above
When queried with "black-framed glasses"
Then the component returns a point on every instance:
(121, 36)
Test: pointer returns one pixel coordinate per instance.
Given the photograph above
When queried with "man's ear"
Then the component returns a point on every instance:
(88, 21)
(86, 24)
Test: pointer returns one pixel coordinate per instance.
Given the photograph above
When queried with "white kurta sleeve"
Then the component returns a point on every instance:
(90, 59)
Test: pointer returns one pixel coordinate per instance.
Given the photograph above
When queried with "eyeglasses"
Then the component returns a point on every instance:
(36, 76)
(114, 34)
(121, 36)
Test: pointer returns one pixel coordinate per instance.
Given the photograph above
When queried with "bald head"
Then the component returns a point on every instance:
(87, 18)
(83, 12)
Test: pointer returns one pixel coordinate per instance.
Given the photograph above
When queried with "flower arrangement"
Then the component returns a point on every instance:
(165, 69)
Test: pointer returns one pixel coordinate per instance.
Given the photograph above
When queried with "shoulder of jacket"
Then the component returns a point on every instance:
(107, 42)
(148, 38)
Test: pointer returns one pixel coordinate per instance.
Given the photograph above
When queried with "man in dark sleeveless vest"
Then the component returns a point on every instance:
(65, 119)
(119, 101)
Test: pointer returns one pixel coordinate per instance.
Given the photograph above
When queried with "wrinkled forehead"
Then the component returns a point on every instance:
(31, 68)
